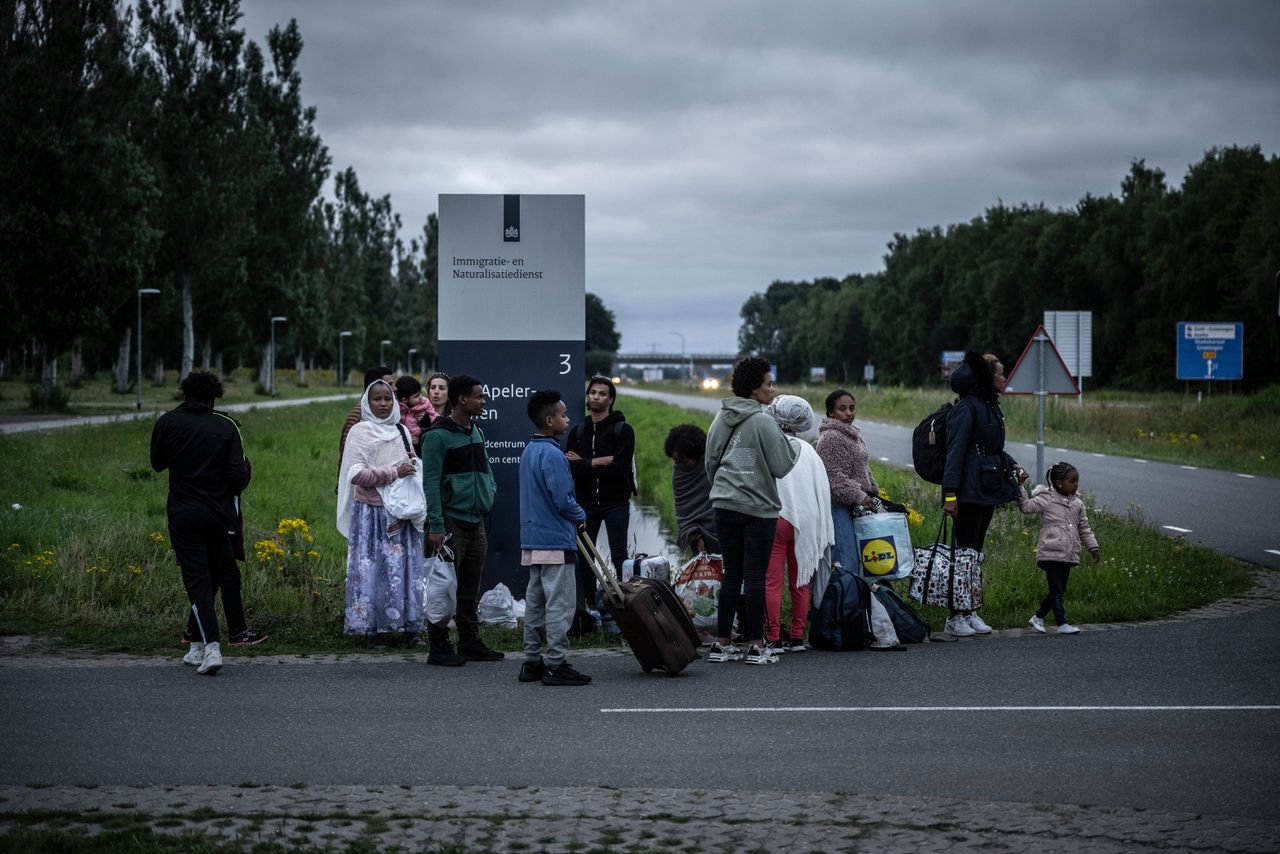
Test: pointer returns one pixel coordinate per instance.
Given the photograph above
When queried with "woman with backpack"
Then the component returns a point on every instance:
(978, 475)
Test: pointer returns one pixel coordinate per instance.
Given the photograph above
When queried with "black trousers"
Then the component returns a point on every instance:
(616, 519)
(745, 545)
(1057, 574)
(470, 545)
(202, 546)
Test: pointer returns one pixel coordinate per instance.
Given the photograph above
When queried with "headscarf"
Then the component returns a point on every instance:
(373, 443)
(793, 414)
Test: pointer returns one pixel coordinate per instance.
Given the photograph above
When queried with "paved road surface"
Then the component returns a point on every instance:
(1023, 718)
(1227, 511)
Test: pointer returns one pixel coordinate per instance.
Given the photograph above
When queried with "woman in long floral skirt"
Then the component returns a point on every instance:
(386, 578)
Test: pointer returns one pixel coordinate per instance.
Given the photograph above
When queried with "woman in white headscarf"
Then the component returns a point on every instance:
(386, 580)
(805, 535)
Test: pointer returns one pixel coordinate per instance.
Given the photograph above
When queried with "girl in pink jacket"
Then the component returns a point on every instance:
(1063, 526)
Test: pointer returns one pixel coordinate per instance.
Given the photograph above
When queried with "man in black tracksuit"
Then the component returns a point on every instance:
(600, 451)
(202, 451)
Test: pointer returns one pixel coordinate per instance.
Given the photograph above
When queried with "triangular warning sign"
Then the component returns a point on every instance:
(1025, 376)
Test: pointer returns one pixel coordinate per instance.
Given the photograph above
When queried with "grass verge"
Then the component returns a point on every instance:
(85, 556)
(1143, 575)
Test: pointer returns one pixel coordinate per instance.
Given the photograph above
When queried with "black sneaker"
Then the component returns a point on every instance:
(532, 671)
(246, 638)
(564, 675)
(442, 655)
(477, 651)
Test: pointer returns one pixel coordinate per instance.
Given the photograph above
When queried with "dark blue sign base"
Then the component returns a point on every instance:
(511, 371)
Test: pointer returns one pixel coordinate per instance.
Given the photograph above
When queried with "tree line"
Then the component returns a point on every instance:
(153, 145)
(1208, 250)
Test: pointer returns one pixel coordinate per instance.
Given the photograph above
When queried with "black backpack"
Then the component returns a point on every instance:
(929, 445)
(842, 620)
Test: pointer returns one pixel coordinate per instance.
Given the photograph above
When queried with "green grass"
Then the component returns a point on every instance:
(1143, 575)
(87, 558)
(1237, 432)
(93, 395)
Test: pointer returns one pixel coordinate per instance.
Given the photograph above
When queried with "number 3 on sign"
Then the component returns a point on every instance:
(564, 361)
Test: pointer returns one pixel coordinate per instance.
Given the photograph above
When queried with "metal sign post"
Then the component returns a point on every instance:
(1040, 360)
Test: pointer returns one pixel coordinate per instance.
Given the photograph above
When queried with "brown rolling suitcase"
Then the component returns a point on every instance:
(651, 616)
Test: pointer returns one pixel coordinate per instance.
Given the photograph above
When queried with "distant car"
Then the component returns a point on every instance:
(710, 384)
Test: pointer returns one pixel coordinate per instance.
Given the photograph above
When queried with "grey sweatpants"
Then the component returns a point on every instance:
(548, 611)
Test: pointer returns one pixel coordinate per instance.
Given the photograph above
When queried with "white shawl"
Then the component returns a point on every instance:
(371, 444)
(806, 504)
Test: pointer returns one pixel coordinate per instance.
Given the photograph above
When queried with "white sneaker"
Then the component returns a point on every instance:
(212, 662)
(719, 653)
(1068, 629)
(756, 655)
(978, 626)
(195, 655)
(1036, 623)
(959, 626)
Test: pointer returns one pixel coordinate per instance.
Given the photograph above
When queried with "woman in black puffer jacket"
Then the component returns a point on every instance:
(979, 475)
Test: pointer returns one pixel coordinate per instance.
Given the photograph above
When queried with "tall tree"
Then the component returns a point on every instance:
(199, 144)
(74, 188)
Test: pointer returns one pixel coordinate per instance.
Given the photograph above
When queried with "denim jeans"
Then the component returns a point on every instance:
(745, 544)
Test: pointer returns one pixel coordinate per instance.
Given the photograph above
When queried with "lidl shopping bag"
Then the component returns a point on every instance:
(698, 586)
(883, 546)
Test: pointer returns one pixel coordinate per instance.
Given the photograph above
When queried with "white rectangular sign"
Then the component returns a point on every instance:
(1072, 334)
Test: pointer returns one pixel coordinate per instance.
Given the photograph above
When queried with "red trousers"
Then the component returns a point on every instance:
(782, 563)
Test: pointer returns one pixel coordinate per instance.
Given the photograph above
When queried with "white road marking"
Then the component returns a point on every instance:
(1272, 551)
(1189, 468)
(1136, 460)
(1099, 456)
(1059, 450)
(755, 709)
(1251, 477)
(1176, 528)
(884, 459)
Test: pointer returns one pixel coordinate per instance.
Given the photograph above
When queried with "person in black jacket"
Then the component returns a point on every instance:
(201, 449)
(600, 452)
(978, 475)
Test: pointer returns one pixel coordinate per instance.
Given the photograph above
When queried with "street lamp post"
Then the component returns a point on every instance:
(274, 321)
(141, 293)
(412, 350)
(342, 376)
(681, 334)
(382, 351)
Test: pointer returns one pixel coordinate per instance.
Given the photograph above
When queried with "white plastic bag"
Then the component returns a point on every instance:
(698, 586)
(882, 623)
(497, 607)
(404, 499)
(442, 587)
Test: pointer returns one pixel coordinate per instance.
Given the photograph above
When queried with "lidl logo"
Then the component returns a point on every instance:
(879, 556)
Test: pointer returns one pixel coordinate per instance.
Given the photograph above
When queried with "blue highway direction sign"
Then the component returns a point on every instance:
(1210, 351)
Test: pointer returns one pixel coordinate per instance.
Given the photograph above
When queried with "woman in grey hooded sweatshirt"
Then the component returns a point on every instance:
(746, 454)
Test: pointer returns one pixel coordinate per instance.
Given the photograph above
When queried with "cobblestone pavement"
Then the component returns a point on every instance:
(605, 819)
(599, 819)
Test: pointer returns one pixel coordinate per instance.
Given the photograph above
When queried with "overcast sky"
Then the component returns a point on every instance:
(722, 146)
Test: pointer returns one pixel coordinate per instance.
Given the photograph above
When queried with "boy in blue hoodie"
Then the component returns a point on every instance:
(549, 521)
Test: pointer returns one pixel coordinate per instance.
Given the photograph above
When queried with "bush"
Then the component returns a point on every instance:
(56, 400)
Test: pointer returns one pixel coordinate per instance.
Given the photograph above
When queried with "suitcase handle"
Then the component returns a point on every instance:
(602, 570)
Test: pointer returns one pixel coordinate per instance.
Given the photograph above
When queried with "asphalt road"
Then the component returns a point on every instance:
(1230, 512)
(404, 722)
